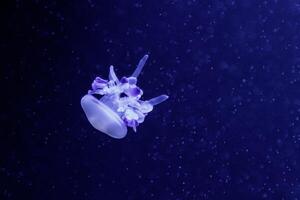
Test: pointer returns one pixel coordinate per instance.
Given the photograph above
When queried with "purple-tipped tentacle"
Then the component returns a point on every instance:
(157, 100)
(124, 80)
(100, 80)
(134, 92)
(99, 83)
(140, 66)
(132, 80)
(112, 74)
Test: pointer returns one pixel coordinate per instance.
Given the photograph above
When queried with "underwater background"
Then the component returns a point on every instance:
(229, 130)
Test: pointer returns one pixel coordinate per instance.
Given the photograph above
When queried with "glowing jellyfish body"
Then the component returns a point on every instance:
(120, 105)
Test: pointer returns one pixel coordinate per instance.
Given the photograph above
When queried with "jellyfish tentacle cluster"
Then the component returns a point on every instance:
(123, 98)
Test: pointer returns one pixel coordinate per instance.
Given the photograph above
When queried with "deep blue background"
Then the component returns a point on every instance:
(230, 129)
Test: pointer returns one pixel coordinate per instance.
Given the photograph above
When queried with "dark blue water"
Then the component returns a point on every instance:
(230, 129)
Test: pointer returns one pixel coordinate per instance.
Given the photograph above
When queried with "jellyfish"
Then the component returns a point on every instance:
(113, 105)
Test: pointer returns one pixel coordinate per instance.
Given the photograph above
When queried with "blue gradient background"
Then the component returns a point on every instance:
(230, 129)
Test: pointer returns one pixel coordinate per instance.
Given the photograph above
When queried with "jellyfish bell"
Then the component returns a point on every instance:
(120, 105)
(102, 117)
